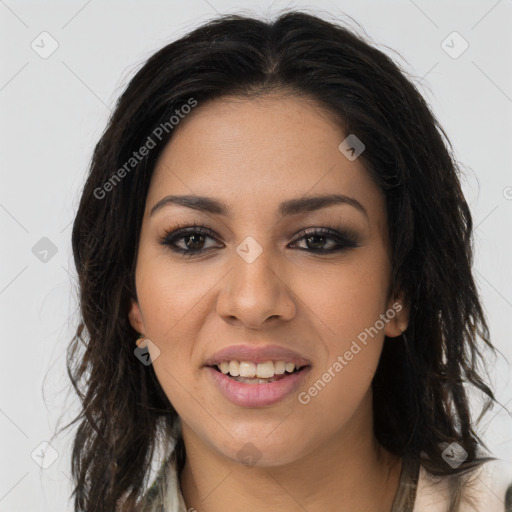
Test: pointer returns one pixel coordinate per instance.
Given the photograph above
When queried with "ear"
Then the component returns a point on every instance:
(398, 315)
(135, 317)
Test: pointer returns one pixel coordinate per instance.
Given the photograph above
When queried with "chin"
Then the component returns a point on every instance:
(261, 450)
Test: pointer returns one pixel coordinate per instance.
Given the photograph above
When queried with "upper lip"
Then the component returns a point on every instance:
(257, 354)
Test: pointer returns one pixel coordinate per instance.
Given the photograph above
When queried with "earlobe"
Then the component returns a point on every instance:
(398, 315)
(135, 317)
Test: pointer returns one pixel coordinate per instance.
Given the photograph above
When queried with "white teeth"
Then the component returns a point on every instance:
(248, 369)
(234, 368)
(265, 370)
(279, 367)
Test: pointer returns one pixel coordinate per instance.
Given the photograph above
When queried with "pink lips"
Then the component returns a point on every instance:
(256, 395)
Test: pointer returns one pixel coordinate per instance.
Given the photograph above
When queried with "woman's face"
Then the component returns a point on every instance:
(254, 288)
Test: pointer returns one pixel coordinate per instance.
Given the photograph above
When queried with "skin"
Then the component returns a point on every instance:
(252, 154)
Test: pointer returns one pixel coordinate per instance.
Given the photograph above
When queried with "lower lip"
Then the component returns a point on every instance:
(256, 395)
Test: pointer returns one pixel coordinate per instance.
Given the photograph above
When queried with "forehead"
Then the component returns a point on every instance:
(258, 152)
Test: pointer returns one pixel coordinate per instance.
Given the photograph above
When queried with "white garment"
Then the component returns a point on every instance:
(488, 485)
(487, 488)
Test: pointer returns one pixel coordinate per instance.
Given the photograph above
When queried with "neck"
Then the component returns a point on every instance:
(349, 472)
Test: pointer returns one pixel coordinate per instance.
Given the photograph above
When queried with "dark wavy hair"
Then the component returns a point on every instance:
(420, 387)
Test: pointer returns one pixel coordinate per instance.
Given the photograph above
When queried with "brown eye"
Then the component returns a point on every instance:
(188, 241)
(194, 242)
(316, 242)
(324, 241)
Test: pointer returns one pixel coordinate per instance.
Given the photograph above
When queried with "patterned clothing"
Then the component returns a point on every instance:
(488, 488)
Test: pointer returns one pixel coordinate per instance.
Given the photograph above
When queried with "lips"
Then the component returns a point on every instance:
(251, 376)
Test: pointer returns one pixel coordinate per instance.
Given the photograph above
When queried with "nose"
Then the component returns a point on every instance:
(253, 294)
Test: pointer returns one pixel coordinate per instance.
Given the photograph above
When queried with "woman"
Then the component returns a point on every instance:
(278, 310)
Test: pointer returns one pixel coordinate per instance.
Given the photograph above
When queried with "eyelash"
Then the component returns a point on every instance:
(345, 239)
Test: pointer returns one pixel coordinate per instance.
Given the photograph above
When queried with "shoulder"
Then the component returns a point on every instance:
(493, 482)
(487, 488)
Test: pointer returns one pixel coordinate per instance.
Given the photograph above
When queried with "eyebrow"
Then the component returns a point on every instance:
(288, 207)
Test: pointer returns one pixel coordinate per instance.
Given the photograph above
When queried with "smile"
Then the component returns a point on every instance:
(257, 373)
(254, 391)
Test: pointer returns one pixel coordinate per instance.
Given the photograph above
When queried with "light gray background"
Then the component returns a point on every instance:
(53, 111)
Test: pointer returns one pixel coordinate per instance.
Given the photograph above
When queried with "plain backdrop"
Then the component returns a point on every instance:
(54, 108)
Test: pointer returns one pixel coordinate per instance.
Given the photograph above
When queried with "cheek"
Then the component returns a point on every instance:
(173, 321)
(347, 306)
(172, 296)
(348, 298)
(175, 305)
(346, 376)
(339, 384)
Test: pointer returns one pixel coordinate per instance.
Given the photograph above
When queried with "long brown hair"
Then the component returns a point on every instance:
(420, 395)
